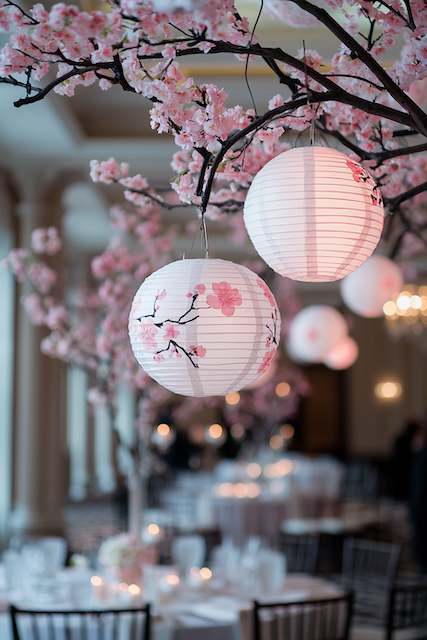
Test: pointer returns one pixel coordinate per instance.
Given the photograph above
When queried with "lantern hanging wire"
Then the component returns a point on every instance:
(307, 88)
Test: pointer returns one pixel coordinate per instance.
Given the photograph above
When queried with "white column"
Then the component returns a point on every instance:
(7, 289)
(103, 445)
(77, 432)
(125, 419)
(39, 447)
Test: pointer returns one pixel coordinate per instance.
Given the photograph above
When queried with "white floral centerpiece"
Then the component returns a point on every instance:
(124, 555)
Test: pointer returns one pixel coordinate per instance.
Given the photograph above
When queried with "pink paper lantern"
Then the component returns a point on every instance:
(367, 289)
(343, 355)
(264, 377)
(313, 214)
(314, 332)
(204, 327)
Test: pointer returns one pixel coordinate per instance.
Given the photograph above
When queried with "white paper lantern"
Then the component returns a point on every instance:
(264, 377)
(343, 355)
(367, 289)
(204, 327)
(313, 214)
(314, 332)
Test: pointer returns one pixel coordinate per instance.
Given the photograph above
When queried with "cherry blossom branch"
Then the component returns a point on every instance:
(173, 343)
(394, 203)
(43, 92)
(402, 98)
(380, 156)
(315, 98)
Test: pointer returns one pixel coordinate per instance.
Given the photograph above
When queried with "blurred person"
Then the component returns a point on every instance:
(418, 496)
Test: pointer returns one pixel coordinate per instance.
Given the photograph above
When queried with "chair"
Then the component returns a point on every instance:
(98, 624)
(301, 551)
(369, 569)
(325, 619)
(370, 560)
(408, 610)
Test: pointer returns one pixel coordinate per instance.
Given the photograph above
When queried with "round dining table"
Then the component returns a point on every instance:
(210, 613)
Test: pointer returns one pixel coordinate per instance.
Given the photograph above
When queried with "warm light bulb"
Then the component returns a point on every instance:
(232, 398)
(205, 573)
(172, 579)
(134, 590)
(215, 431)
(389, 308)
(282, 389)
(388, 390)
(153, 529)
(403, 302)
(163, 429)
(96, 581)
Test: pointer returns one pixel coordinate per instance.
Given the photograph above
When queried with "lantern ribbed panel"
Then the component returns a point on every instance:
(215, 328)
(314, 332)
(313, 214)
(366, 290)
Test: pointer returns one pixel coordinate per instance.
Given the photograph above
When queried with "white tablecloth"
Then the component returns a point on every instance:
(211, 615)
(239, 518)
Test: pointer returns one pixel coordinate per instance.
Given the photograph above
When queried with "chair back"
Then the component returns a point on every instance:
(98, 624)
(370, 560)
(301, 551)
(408, 610)
(325, 619)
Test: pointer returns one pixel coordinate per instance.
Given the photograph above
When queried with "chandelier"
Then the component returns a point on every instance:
(406, 313)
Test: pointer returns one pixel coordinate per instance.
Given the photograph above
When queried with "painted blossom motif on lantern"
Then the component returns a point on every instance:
(151, 330)
(361, 175)
(224, 297)
(267, 360)
(272, 337)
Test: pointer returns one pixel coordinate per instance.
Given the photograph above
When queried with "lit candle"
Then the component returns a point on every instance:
(171, 581)
(152, 533)
(134, 592)
(205, 574)
(99, 588)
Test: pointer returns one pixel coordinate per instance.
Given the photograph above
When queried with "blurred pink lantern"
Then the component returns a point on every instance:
(314, 332)
(313, 214)
(204, 327)
(343, 355)
(367, 289)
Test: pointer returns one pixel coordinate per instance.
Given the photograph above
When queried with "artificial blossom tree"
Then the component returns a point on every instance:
(374, 113)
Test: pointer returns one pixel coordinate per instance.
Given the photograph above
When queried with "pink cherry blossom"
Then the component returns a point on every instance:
(46, 241)
(148, 334)
(171, 332)
(266, 291)
(225, 298)
(198, 350)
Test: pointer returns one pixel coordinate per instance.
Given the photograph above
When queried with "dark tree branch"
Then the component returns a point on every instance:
(43, 92)
(394, 203)
(402, 98)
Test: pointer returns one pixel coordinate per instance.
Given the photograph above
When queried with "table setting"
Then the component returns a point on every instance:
(187, 597)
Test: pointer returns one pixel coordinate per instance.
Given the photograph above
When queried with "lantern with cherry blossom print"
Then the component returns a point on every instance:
(366, 290)
(314, 332)
(343, 355)
(204, 327)
(313, 214)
